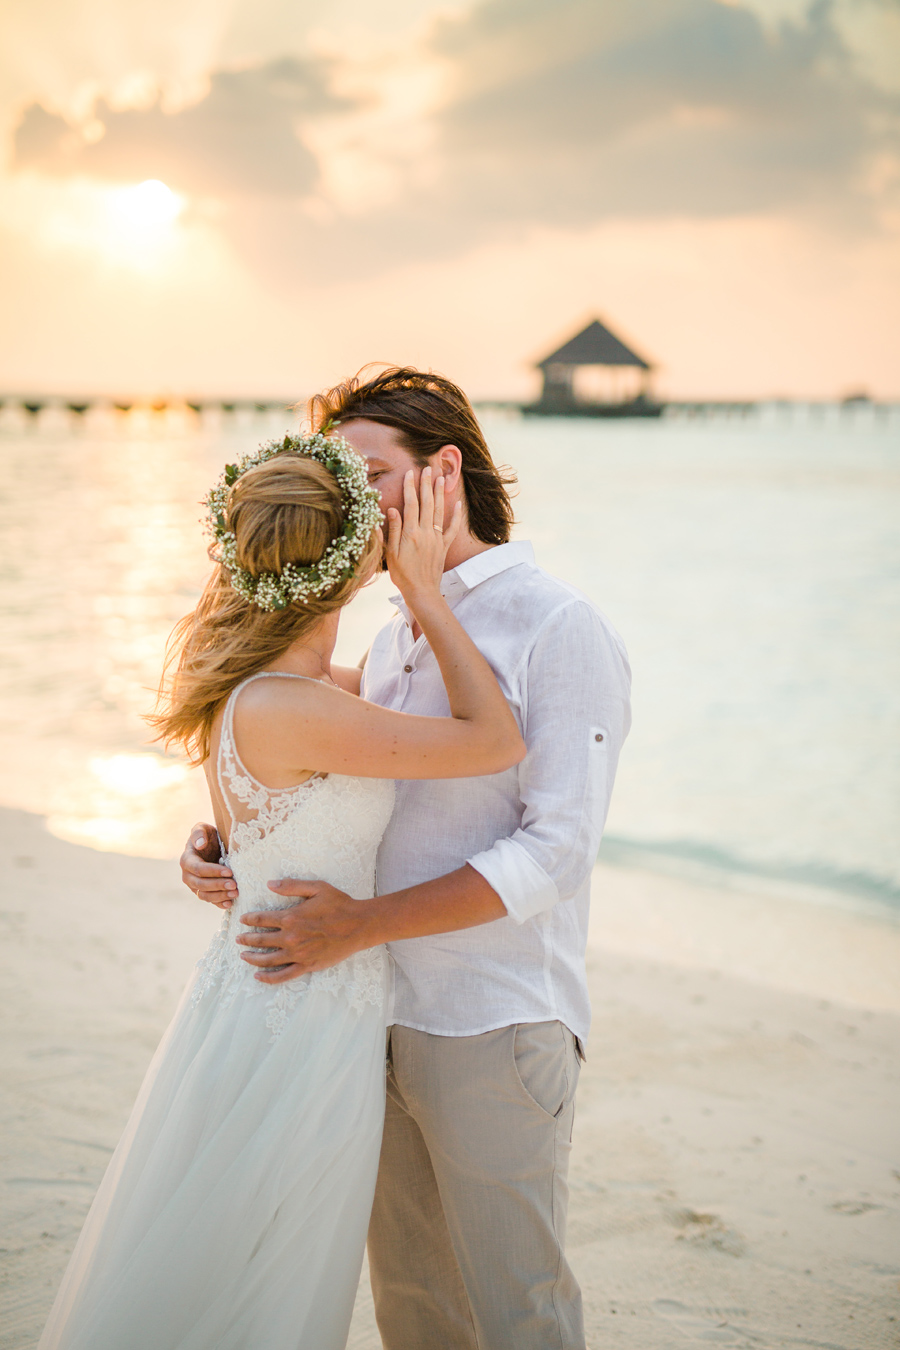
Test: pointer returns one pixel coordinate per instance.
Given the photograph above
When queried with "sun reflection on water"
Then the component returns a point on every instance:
(133, 775)
(120, 802)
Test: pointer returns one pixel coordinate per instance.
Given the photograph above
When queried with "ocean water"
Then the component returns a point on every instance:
(751, 564)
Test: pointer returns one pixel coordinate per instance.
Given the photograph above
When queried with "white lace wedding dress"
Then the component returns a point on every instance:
(233, 1215)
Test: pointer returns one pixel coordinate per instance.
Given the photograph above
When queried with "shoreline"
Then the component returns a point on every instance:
(801, 944)
(867, 895)
(735, 1172)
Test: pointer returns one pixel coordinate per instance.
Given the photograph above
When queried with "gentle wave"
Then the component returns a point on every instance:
(711, 865)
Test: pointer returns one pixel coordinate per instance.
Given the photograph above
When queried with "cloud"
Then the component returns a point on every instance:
(560, 113)
(242, 138)
(568, 111)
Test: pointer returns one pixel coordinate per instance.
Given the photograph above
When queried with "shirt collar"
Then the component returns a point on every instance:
(472, 572)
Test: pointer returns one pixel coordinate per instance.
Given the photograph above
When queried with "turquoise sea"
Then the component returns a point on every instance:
(752, 565)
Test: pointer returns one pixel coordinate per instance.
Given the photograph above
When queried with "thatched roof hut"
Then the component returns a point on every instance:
(596, 345)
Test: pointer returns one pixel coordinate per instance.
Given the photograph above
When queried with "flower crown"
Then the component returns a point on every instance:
(276, 590)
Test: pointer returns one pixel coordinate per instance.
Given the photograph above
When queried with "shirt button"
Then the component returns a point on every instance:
(599, 736)
(408, 669)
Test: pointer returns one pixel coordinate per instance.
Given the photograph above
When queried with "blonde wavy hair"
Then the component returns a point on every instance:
(286, 510)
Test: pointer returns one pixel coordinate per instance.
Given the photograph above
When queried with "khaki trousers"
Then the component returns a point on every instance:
(468, 1227)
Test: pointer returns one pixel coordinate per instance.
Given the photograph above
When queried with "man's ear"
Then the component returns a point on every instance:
(449, 463)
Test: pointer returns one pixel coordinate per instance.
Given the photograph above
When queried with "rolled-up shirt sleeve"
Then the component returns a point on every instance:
(575, 689)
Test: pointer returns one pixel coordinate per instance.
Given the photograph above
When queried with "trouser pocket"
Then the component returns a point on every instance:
(546, 1066)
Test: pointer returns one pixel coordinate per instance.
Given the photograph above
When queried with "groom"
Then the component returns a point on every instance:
(483, 899)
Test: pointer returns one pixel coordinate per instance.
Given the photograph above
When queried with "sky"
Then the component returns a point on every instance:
(257, 197)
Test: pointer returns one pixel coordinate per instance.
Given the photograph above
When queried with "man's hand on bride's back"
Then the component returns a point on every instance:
(201, 870)
(327, 927)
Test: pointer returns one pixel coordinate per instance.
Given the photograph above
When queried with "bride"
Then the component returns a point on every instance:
(233, 1215)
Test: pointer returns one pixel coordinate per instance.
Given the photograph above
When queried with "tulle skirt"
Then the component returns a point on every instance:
(234, 1211)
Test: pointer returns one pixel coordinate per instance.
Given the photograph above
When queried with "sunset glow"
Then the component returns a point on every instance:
(138, 227)
(723, 185)
(148, 208)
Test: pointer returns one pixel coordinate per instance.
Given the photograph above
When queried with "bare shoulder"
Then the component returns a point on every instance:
(282, 694)
(284, 725)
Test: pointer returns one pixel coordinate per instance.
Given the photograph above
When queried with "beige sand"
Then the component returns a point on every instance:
(736, 1178)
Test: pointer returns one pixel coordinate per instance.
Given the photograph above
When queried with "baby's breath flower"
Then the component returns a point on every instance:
(276, 590)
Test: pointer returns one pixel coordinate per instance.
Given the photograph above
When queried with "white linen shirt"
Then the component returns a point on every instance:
(532, 831)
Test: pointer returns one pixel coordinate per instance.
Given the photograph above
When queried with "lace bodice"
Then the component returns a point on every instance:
(326, 829)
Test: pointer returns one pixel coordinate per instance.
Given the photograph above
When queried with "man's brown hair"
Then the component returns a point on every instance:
(428, 412)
